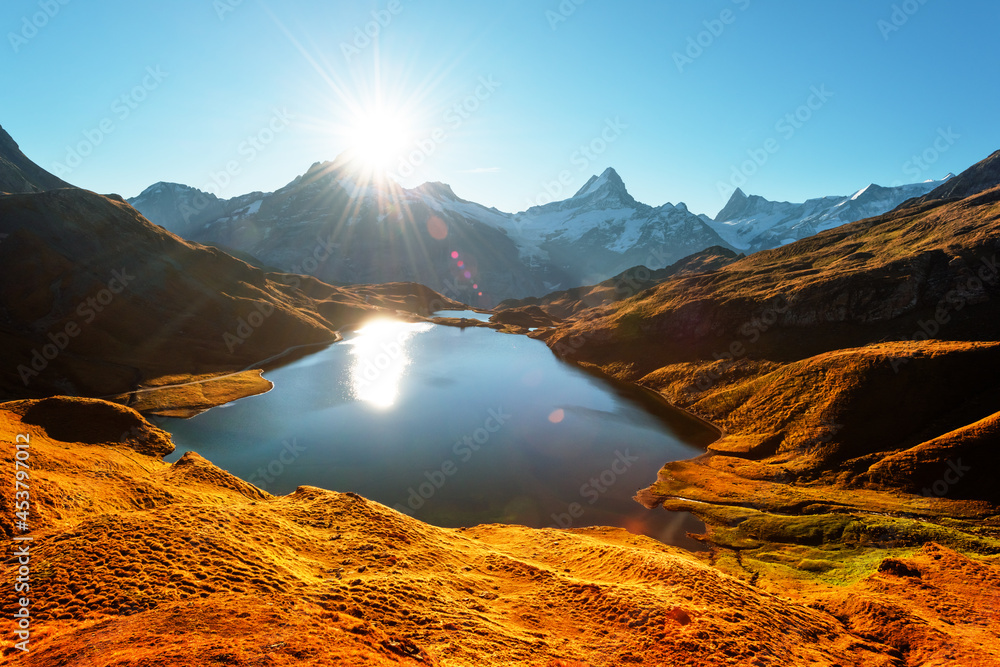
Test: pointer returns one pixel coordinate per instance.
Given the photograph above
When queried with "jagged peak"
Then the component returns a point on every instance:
(736, 204)
(870, 190)
(608, 181)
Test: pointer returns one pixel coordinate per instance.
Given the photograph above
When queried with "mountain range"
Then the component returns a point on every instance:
(752, 223)
(344, 226)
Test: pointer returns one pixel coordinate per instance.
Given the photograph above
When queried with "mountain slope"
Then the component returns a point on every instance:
(980, 176)
(752, 223)
(336, 224)
(19, 174)
(852, 372)
(565, 303)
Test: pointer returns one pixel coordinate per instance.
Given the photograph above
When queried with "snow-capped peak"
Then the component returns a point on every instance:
(868, 192)
(608, 183)
(754, 223)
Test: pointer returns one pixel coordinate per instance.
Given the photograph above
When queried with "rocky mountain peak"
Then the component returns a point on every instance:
(608, 184)
(734, 207)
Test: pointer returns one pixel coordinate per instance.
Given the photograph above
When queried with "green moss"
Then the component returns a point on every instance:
(816, 565)
(812, 529)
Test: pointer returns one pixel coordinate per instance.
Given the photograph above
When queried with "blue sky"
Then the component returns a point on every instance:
(683, 98)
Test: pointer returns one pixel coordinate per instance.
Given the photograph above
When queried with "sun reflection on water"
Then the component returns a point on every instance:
(381, 355)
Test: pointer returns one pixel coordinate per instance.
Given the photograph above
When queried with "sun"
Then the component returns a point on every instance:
(379, 138)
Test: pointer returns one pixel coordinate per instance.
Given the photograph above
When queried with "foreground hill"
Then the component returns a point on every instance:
(139, 562)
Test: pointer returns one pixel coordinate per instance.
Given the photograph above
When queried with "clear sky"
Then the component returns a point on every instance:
(497, 97)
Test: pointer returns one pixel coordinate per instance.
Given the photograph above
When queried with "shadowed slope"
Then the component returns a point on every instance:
(96, 300)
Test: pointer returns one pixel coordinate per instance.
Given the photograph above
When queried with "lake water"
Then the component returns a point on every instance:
(467, 314)
(456, 427)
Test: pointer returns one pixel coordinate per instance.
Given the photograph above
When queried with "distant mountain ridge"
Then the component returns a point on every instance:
(373, 227)
(182, 209)
(371, 230)
(753, 223)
